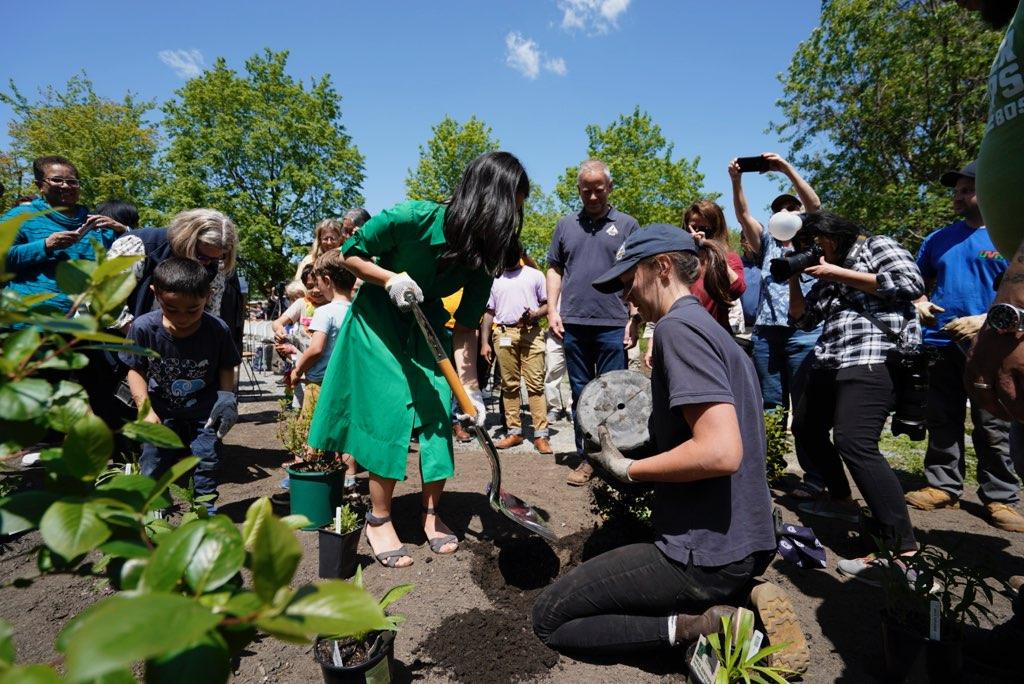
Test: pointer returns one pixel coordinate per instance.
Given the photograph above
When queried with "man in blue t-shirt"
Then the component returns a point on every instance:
(961, 268)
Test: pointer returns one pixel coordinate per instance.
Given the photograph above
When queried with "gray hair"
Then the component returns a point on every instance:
(357, 215)
(206, 226)
(591, 165)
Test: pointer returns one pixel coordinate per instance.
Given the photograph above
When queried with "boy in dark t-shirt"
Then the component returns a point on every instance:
(190, 385)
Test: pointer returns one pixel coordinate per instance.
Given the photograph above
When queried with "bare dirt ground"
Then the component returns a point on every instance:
(467, 620)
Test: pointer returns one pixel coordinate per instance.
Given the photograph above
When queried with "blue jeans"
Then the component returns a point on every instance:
(590, 351)
(202, 443)
(782, 358)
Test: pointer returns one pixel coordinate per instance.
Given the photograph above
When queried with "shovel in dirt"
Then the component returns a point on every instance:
(509, 505)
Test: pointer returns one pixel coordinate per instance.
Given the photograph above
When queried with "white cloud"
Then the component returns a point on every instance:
(597, 16)
(522, 55)
(186, 63)
(556, 66)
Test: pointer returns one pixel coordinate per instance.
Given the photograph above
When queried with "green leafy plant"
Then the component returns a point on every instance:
(623, 503)
(736, 663)
(181, 607)
(350, 520)
(777, 437)
(292, 431)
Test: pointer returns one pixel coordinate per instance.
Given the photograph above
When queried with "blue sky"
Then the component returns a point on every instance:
(537, 71)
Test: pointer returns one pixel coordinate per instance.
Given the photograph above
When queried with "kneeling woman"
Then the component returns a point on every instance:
(712, 510)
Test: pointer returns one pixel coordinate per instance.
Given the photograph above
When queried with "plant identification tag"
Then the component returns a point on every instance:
(704, 663)
(505, 341)
(935, 621)
(755, 643)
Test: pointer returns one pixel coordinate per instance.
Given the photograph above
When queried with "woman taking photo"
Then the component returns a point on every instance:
(327, 236)
(382, 387)
(722, 281)
(863, 298)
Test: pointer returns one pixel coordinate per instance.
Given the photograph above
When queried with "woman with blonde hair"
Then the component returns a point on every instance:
(327, 236)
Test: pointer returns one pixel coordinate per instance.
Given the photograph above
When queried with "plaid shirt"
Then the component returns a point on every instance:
(849, 338)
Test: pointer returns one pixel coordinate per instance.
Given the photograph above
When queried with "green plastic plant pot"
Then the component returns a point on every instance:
(315, 495)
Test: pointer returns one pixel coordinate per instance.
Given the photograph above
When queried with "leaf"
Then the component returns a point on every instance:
(71, 528)
(259, 511)
(205, 662)
(9, 229)
(24, 510)
(296, 522)
(29, 674)
(69, 361)
(24, 399)
(94, 336)
(7, 652)
(68, 405)
(173, 473)
(219, 557)
(114, 265)
(73, 277)
(79, 325)
(275, 556)
(125, 548)
(88, 447)
(243, 603)
(109, 294)
(19, 346)
(123, 348)
(131, 489)
(124, 629)
(172, 556)
(152, 433)
(395, 593)
(331, 608)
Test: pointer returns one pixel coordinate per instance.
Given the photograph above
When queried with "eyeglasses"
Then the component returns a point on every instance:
(205, 260)
(69, 182)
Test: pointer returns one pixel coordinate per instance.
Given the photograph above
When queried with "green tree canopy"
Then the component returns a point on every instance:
(649, 184)
(540, 215)
(266, 149)
(109, 141)
(446, 155)
(882, 98)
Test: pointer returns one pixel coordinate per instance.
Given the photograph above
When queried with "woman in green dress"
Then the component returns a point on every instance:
(382, 386)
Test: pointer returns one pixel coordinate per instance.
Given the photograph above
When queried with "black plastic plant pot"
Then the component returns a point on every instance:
(910, 657)
(339, 553)
(376, 669)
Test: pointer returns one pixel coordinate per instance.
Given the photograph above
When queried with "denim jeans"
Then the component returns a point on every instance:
(590, 351)
(782, 358)
(201, 443)
(618, 603)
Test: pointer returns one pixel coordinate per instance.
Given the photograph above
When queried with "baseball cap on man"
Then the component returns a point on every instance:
(950, 178)
(657, 238)
(784, 200)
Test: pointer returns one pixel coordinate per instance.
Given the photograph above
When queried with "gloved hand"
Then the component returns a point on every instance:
(226, 410)
(610, 458)
(965, 328)
(477, 397)
(397, 287)
(926, 311)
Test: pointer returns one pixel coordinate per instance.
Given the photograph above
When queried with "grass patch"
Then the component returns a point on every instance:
(904, 454)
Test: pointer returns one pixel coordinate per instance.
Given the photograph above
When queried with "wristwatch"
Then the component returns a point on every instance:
(1005, 318)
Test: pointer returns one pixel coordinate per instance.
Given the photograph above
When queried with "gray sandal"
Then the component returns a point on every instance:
(389, 559)
(438, 543)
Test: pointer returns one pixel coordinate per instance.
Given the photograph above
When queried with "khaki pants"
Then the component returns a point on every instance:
(520, 355)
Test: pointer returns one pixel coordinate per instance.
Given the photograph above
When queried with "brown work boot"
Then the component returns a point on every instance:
(776, 614)
(509, 441)
(691, 627)
(581, 476)
(1005, 517)
(543, 445)
(459, 433)
(930, 498)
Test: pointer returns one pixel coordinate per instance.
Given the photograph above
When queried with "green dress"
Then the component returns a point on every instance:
(382, 382)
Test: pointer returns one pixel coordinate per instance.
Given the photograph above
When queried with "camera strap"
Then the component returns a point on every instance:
(891, 334)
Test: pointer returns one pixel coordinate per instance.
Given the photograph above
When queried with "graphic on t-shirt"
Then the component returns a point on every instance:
(612, 230)
(177, 381)
(1005, 83)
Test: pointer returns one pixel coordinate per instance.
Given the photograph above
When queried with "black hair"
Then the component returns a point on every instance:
(123, 212)
(39, 165)
(483, 222)
(844, 231)
(179, 275)
(331, 264)
(307, 272)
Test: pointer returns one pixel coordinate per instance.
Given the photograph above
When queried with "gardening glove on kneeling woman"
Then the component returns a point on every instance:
(477, 397)
(399, 286)
(226, 410)
(610, 458)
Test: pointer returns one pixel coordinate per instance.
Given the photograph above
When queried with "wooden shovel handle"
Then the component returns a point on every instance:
(457, 389)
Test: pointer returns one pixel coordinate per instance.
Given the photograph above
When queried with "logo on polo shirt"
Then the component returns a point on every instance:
(612, 230)
(621, 252)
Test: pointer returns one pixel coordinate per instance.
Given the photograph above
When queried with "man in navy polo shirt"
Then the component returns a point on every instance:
(961, 266)
(597, 328)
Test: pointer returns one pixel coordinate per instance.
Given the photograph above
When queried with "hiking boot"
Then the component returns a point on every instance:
(691, 627)
(1005, 517)
(543, 445)
(930, 498)
(509, 441)
(459, 433)
(776, 614)
(581, 476)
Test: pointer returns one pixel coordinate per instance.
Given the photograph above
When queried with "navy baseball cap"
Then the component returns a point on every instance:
(657, 238)
(950, 178)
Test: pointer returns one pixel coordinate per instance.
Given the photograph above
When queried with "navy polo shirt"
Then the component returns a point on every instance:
(719, 520)
(584, 248)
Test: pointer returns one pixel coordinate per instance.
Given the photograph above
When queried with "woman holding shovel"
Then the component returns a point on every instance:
(382, 387)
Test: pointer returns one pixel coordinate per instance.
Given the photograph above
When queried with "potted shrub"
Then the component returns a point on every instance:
(366, 657)
(928, 598)
(735, 654)
(339, 543)
(317, 481)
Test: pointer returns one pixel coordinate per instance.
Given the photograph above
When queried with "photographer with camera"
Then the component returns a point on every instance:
(867, 359)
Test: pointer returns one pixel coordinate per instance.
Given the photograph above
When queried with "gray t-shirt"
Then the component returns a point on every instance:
(584, 248)
(719, 520)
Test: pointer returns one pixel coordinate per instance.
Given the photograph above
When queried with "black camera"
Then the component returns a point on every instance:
(783, 268)
(909, 371)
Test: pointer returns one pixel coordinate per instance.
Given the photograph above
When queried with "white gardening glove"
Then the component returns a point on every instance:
(224, 409)
(926, 311)
(398, 285)
(610, 458)
(965, 328)
(477, 398)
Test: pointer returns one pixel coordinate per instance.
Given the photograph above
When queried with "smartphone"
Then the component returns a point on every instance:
(747, 164)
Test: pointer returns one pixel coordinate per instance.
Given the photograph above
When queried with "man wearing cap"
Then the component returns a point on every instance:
(780, 350)
(961, 267)
(711, 512)
(597, 329)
